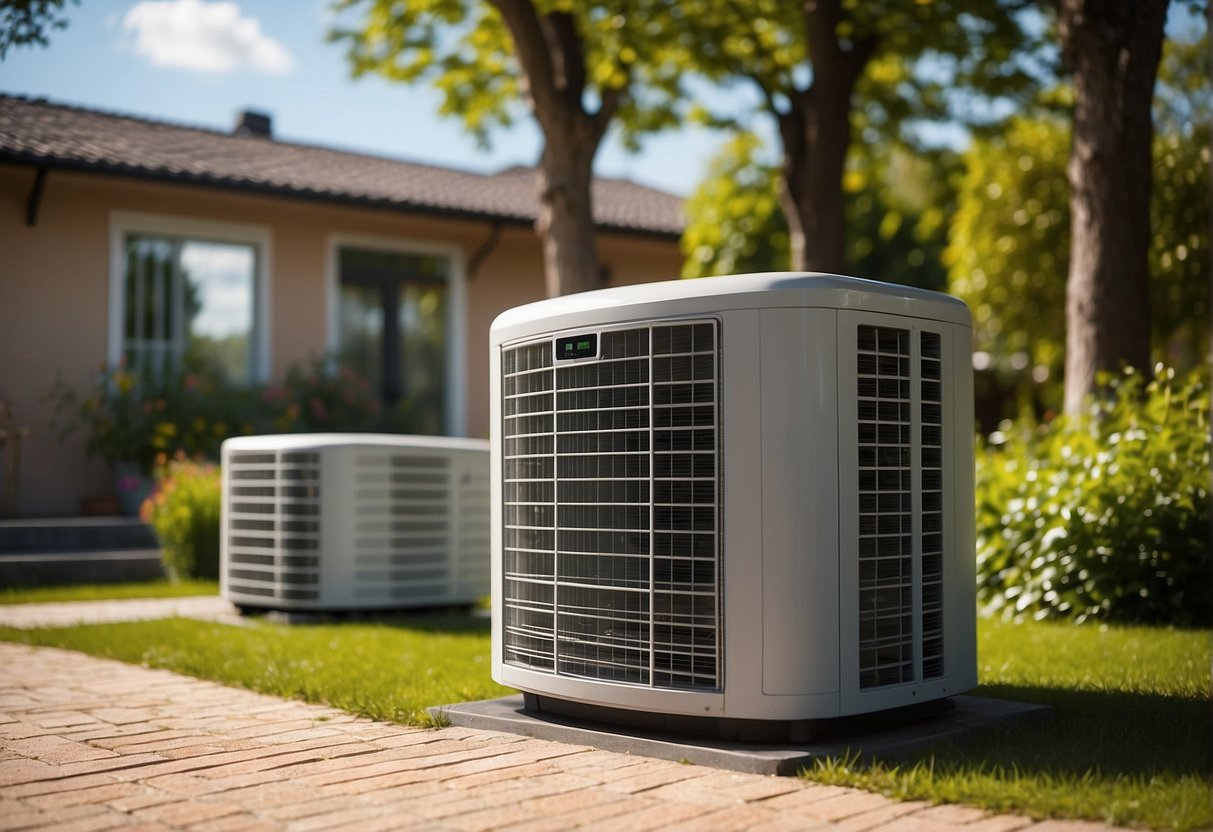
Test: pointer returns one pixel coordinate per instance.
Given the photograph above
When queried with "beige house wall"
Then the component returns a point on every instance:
(55, 278)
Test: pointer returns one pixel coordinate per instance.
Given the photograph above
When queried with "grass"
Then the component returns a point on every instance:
(1128, 744)
(391, 669)
(108, 592)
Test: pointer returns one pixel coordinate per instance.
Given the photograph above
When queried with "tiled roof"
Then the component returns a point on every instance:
(34, 131)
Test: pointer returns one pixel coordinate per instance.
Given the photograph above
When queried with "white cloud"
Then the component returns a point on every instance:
(204, 37)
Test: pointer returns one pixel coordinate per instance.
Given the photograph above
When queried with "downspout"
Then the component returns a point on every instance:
(476, 258)
(34, 201)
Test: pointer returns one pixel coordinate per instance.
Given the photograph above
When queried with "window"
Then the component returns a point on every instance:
(394, 310)
(187, 294)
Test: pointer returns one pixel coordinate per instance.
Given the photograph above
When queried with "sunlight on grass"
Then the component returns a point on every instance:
(1128, 743)
(107, 592)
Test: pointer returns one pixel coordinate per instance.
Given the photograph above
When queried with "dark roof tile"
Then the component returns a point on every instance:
(35, 131)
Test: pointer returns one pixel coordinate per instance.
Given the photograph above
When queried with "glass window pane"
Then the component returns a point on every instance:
(362, 332)
(151, 329)
(422, 319)
(219, 301)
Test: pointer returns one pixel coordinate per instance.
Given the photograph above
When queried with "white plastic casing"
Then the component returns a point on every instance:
(789, 584)
(354, 521)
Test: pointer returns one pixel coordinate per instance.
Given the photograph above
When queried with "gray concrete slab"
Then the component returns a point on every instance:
(969, 713)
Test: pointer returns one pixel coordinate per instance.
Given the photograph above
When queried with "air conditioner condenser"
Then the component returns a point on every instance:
(746, 498)
(354, 521)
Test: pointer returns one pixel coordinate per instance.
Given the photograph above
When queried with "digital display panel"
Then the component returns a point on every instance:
(576, 346)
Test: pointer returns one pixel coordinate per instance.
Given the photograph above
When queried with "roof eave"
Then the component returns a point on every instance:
(266, 189)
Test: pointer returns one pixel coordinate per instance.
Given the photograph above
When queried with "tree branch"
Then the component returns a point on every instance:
(821, 21)
(567, 55)
(539, 76)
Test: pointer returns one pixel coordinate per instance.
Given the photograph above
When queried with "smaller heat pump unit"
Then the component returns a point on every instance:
(744, 498)
(354, 521)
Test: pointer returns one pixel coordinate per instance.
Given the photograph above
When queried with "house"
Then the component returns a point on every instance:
(292, 251)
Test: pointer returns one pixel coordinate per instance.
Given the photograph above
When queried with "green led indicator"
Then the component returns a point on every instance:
(576, 347)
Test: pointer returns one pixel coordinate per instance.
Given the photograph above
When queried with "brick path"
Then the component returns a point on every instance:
(206, 607)
(92, 744)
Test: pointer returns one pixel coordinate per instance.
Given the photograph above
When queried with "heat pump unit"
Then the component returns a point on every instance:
(354, 521)
(742, 498)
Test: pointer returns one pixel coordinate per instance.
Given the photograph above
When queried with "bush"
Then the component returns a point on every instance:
(184, 511)
(143, 419)
(316, 397)
(1104, 516)
(140, 419)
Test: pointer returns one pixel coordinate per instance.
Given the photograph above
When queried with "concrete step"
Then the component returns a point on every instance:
(73, 534)
(77, 550)
(104, 566)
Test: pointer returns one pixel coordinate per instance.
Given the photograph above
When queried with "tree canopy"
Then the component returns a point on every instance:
(30, 22)
(828, 68)
(577, 68)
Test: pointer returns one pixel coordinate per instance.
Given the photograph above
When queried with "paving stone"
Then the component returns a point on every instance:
(876, 818)
(914, 823)
(743, 817)
(187, 813)
(52, 749)
(951, 813)
(1000, 823)
(655, 776)
(660, 815)
(94, 794)
(177, 753)
(843, 806)
(1068, 826)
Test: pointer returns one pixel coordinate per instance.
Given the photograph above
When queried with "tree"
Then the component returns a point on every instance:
(734, 224)
(27, 22)
(1009, 241)
(825, 67)
(1180, 203)
(895, 205)
(1112, 49)
(1008, 246)
(578, 67)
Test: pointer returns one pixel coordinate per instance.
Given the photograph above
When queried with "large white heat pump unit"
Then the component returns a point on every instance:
(334, 521)
(741, 498)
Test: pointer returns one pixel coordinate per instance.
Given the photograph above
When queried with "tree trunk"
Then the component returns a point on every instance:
(551, 55)
(566, 219)
(1112, 47)
(816, 132)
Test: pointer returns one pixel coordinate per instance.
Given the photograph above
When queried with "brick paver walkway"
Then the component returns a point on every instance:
(92, 744)
(206, 607)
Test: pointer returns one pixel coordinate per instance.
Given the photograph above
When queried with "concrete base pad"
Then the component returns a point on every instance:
(887, 743)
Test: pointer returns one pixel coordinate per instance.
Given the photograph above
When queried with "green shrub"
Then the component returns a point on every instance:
(1104, 516)
(184, 511)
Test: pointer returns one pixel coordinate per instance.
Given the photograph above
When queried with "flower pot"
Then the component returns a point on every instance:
(133, 487)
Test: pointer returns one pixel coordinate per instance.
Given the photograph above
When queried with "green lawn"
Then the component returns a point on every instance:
(107, 592)
(1129, 742)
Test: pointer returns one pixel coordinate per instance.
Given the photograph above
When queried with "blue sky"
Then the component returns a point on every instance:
(200, 63)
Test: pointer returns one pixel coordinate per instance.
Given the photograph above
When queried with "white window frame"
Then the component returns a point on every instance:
(456, 317)
(123, 223)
